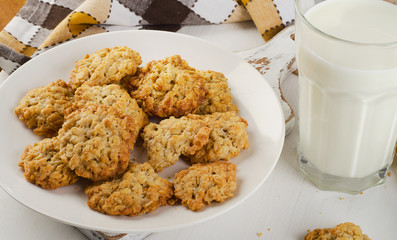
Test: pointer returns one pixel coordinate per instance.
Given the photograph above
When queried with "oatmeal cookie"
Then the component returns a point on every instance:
(106, 66)
(42, 108)
(172, 137)
(169, 87)
(227, 137)
(95, 141)
(201, 184)
(125, 82)
(140, 190)
(109, 95)
(43, 166)
(344, 231)
(218, 95)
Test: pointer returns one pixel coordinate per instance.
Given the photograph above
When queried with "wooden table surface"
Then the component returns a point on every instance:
(8, 9)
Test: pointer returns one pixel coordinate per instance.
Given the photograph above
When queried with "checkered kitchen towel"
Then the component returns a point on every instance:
(42, 24)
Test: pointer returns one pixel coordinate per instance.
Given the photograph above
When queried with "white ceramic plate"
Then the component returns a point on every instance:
(254, 97)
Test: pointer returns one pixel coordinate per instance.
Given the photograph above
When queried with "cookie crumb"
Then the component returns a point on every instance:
(341, 198)
(259, 234)
(388, 174)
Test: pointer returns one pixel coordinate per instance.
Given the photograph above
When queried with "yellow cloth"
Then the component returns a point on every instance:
(42, 24)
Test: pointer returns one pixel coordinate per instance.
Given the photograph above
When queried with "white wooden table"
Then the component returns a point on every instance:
(285, 207)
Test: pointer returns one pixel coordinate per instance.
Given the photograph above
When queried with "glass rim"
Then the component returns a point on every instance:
(324, 34)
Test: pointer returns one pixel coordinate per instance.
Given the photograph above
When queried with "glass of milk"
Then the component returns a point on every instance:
(346, 52)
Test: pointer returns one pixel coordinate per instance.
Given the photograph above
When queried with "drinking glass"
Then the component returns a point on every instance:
(347, 92)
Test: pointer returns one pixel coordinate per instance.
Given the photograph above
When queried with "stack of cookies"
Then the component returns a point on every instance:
(91, 124)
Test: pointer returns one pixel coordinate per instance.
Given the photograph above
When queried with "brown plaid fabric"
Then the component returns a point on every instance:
(42, 24)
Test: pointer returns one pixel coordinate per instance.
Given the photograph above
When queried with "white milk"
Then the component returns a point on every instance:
(348, 92)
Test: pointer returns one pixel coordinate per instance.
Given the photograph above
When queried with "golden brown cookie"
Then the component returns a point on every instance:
(140, 190)
(43, 166)
(169, 87)
(201, 184)
(344, 231)
(172, 137)
(227, 137)
(199, 138)
(42, 108)
(218, 95)
(106, 66)
(95, 141)
(109, 95)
